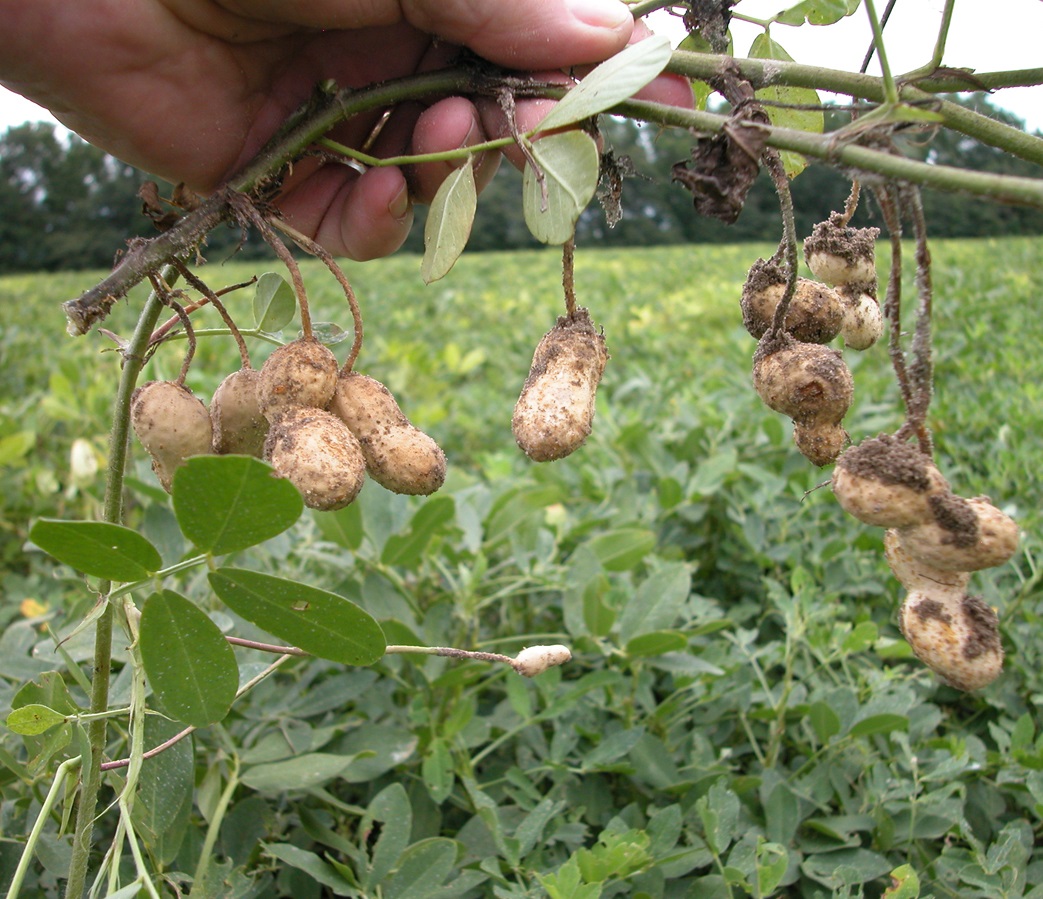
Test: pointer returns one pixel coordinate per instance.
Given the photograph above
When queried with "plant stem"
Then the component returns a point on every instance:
(762, 73)
(41, 819)
(1004, 188)
(133, 361)
(311, 123)
(215, 825)
(890, 90)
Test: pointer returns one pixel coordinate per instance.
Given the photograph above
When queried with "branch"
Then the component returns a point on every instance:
(261, 176)
(1002, 188)
(764, 72)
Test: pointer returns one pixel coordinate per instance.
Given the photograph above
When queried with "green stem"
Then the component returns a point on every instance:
(444, 156)
(310, 124)
(215, 825)
(41, 819)
(890, 90)
(1003, 188)
(763, 73)
(133, 361)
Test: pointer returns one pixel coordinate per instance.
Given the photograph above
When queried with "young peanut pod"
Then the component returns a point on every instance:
(916, 575)
(863, 320)
(399, 456)
(172, 424)
(887, 483)
(838, 254)
(815, 314)
(811, 384)
(964, 535)
(235, 409)
(301, 373)
(555, 410)
(955, 635)
(317, 453)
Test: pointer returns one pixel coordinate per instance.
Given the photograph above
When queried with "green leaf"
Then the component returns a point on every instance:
(657, 603)
(303, 772)
(696, 43)
(32, 720)
(656, 643)
(719, 812)
(449, 222)
(97, 548)
(188, 663)
(905, 883)
(407, 549)
(570, 165)
(823, 720)
(16, 446)
(322, 623)
(861, 638)
(784, 115)
(164, 797)
(879, 724)
(622, 549)
(316, 868)
(228, 503)
(613, 81)
(437, 771)
(330, 333)
(817, 12)
(343, 527)
(391, 807)
(274, 303)
(422, 869)
(772, 862)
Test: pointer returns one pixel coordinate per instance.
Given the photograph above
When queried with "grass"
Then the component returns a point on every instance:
(741, 716)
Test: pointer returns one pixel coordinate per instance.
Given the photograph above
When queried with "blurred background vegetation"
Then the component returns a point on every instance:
(67, 205)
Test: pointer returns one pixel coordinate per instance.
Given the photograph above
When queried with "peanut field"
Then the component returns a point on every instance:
(741, 715)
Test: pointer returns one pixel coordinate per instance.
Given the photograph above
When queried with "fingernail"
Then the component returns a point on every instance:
(399, 205)
(601, 13)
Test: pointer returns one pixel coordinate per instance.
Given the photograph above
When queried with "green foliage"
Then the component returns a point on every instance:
(741, 716)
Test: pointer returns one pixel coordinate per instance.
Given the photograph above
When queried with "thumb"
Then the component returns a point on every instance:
(527, 34)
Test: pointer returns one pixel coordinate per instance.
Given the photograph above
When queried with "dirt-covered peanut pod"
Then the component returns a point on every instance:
(555, 411)
(838, 254)
(863, 320)
(399, 456)
(812, 385)
(964, 535)
(916, 575)
(954, 634)
(318, 454)
(235, 409)
(172, 424)
(815, 314)
(301, 373)
(887, 483)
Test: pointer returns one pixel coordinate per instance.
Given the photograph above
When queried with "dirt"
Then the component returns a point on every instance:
(850, 244)
(983, 625)
(956, 516)
(889, 461)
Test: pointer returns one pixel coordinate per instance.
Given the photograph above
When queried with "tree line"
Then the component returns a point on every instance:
(65, 204)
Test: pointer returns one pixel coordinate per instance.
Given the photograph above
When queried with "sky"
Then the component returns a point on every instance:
(1007, 36)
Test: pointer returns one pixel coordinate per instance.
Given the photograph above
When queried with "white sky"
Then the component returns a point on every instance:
(986, 35)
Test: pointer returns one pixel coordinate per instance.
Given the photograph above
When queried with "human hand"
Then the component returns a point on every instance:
(191, 89)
